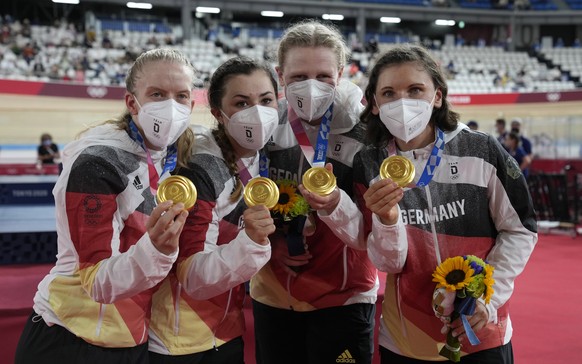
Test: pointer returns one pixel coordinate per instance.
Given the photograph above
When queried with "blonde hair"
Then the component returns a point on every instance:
(156, 55)
(312, 33)
(186, 140)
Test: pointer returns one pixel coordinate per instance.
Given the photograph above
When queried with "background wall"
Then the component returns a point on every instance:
(24, 118)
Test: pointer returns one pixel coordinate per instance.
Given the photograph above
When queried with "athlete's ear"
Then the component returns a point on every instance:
(217, 115)
(279, 71)
(340, 73)
(375, 106)
(438, 99)
(131, 103)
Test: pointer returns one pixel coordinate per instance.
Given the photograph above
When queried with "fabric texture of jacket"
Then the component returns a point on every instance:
(477, 203)
(107, 267)
(199, 306)
(339, 273)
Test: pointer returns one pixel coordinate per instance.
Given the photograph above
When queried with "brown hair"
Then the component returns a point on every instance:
(235, 66)
(443, 117)
(45, 136)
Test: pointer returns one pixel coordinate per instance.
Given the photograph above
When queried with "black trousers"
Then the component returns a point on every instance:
(499, 355)
(231, 352)
(40, 343)
(332, 335)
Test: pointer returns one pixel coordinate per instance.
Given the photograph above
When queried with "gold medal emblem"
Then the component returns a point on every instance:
(261, 191)
(177, 189)
(319, 180)
(398, 169)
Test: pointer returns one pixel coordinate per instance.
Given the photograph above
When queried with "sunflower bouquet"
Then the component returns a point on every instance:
(290, 215)
(461, 281)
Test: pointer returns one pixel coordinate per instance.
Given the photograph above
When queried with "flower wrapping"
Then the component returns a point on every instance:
(292, 216)
(461, 281)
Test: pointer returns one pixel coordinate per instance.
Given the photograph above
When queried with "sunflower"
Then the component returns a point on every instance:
(453, 274)
(488, 281)
(287, 197)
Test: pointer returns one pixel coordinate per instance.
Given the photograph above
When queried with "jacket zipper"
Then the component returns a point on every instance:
(345, 263)
(222, 320)
(100, 320)
(177, 309)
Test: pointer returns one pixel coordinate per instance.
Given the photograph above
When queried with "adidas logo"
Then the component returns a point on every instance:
(137, 183)
(345, 357)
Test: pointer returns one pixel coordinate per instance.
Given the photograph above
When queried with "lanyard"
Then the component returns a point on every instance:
(433, 161)
(315, 156)
(243, 170)
(171, 157)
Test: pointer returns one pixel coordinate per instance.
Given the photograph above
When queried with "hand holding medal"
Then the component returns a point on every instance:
(383, 196)
(318, 186)
(167, 220)
(177, 189)
(261, 191)
(399, 169)
(319, 180)
(260, 194)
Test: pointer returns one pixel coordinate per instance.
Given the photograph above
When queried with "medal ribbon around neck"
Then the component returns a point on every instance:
(243, 170)
(433, 161)
(315, 156)
(169, 165)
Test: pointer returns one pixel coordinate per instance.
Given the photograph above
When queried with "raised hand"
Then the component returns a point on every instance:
(259, 224)
(382, 199)
(165, 225)
(326, 203)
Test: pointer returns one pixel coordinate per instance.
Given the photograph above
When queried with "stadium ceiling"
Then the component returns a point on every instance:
(315, 8)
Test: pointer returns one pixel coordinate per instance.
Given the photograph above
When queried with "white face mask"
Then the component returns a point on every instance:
(406, 118)
(310, 99)
(252, 127)
(163, 122)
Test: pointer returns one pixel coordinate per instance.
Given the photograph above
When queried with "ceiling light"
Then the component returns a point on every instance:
(73, 2)
(445, 22)
(133, 5)
(332, 17)
(207, 10)
(272, 14)
(390, 19)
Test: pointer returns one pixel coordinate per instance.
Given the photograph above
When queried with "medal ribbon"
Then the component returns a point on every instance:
(244, 173)
(169, 165)
(433, 161)
(315, 156)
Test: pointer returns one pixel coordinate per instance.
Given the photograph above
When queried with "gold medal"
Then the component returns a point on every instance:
(261, 191)
(398, 169)
(177, 189)
(319, 180)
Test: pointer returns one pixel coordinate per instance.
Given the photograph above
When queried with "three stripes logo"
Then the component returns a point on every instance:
(345, 357)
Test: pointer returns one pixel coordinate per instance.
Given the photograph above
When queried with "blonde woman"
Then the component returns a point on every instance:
(114, 244)
(317, 306)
